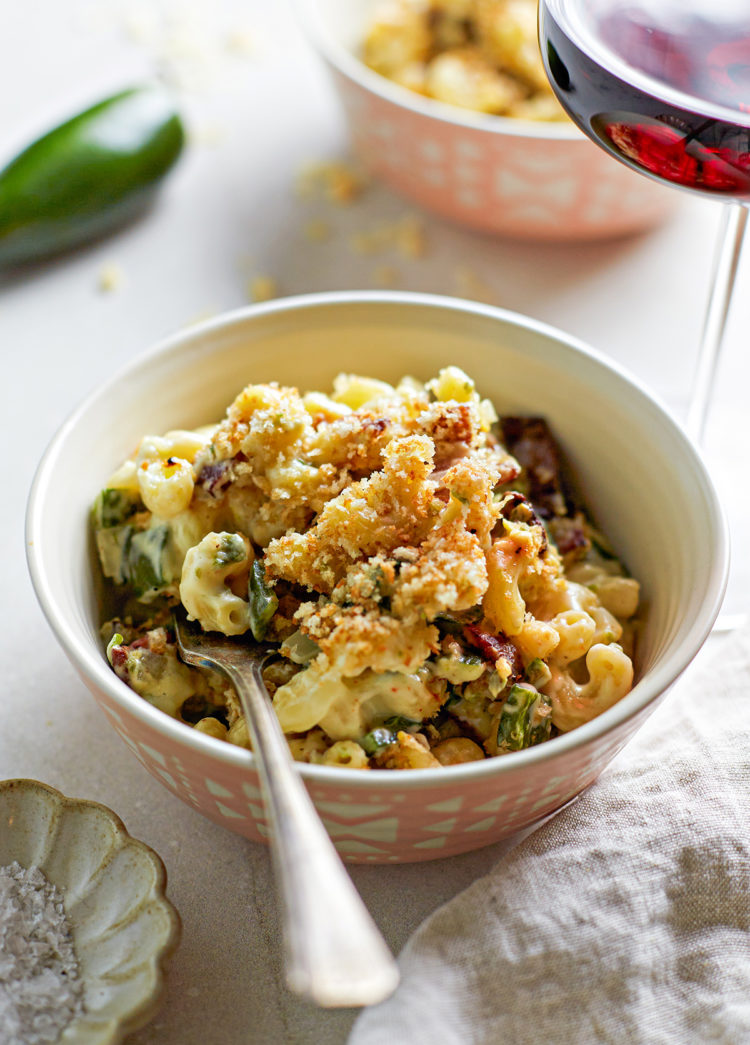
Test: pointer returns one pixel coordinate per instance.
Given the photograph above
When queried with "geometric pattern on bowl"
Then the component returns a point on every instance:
(124, 928)
(533, 188)
(453, 816)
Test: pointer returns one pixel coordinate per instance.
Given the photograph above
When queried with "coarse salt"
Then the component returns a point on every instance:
(41, 990)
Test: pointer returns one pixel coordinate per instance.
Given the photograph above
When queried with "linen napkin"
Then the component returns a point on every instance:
(625, 919)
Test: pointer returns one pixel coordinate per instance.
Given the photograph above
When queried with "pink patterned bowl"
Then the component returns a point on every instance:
(640, 476)
(516, 178)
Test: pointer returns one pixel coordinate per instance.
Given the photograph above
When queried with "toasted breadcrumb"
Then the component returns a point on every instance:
(410, 236)
(111, 278)
(317, 231)
(335, 181)
(208, 135)
(263, 288)
(242, 42)
(470, 285)
(372, 240)
(406, 235)
(386, 276)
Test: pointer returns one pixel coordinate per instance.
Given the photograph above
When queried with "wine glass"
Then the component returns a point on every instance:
(664, 87)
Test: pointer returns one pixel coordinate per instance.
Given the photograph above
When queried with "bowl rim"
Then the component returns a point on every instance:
(140, 1013)
(92, 665)
(352, 68)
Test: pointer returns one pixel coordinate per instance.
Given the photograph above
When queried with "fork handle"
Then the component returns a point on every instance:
(335, 955)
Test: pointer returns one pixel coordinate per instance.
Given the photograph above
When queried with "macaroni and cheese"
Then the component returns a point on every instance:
(476, 54)
(434, 594)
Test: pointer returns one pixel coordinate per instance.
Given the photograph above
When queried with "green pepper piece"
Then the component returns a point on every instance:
(513, 726)
(299, 648)
(601, 544)
(399, 723)
(111, 544)
(540, 721)
(524, 720)
(538, 673)
(116, 640)
(87, 176)
(231, 549)
(114, 507)
(135, 557)
(453, 697)
(263, 601)
(143, 562)
(377, 739)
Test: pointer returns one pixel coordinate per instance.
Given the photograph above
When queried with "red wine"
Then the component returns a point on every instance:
(664, 87)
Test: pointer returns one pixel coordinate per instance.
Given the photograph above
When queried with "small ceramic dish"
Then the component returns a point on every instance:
(124, 928)
(537, 180)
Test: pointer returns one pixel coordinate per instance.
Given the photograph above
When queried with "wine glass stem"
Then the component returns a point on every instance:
(726, 260)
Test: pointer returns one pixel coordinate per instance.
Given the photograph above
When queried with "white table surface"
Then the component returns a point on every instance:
(259, 106)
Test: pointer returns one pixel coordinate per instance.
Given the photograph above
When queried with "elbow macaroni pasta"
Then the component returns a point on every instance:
(435, 598)
(610, 678)
(208, 569)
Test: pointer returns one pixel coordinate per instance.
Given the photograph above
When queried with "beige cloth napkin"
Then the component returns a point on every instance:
(626, 919)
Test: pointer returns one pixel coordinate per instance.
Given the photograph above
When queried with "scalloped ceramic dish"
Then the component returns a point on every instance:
(124, 928)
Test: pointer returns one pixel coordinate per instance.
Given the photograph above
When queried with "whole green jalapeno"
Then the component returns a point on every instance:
(89, 175)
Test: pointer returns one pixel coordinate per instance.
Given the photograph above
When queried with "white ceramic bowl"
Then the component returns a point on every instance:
(641, 477)
(518, 178)
(124, 928)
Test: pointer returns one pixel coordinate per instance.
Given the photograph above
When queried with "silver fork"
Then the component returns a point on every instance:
(334, 953)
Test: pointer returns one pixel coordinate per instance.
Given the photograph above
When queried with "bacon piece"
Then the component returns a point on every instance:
(569, 536)
(530, 441)
(493, 647)
(119, 655)
(214, 478)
